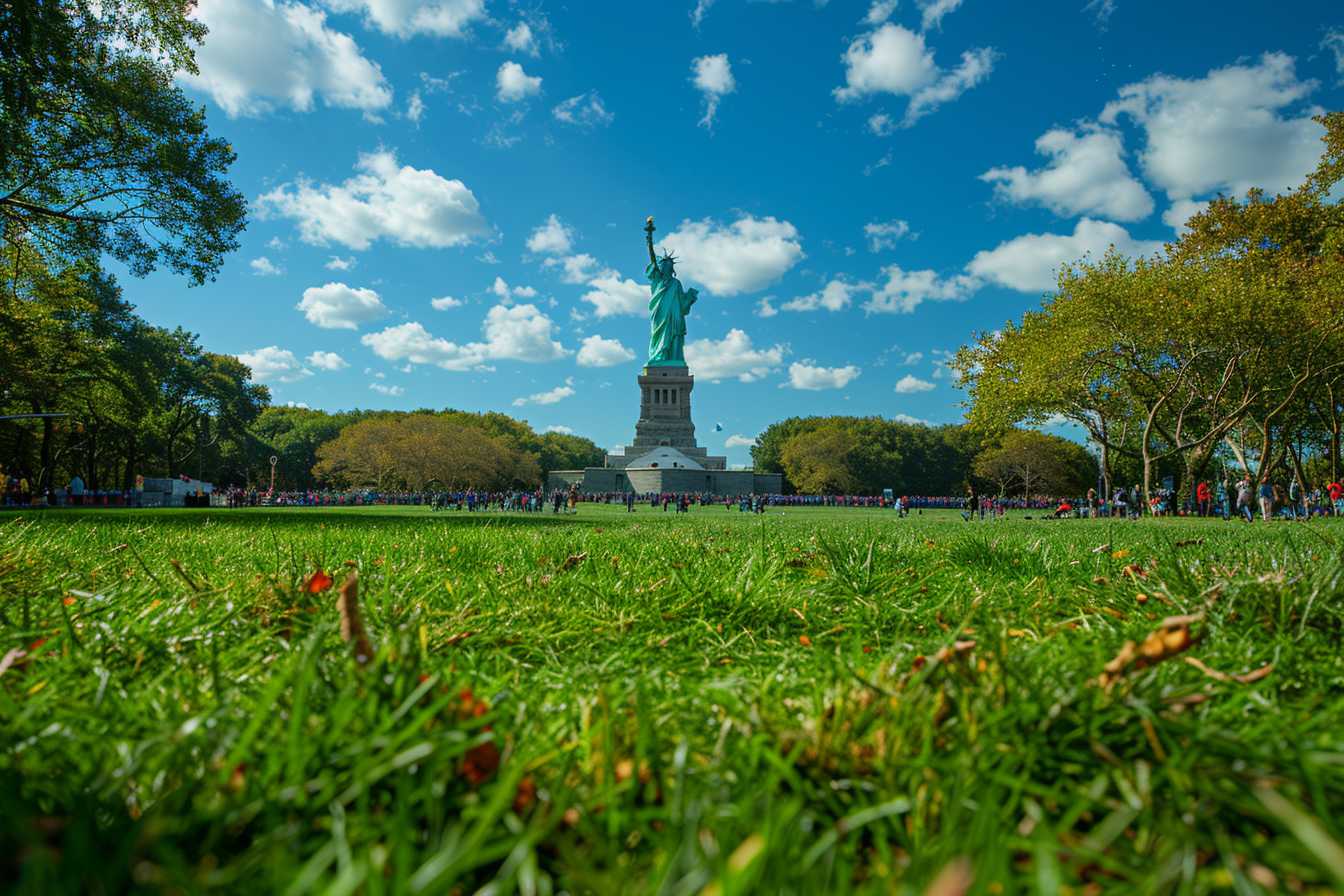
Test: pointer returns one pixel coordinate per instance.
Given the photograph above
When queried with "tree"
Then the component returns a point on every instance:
(1038, 464)
(99, 150)
(560, 451)
(820, 461)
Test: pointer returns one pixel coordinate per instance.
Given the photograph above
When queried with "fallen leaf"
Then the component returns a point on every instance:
(352, 626)
(805, 640)
(1247, 678)
(1120, 554)
(317, 582)
(1171, 638)
(574, 560)
(954, 880)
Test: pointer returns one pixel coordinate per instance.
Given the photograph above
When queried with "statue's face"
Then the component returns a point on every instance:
(665, 266)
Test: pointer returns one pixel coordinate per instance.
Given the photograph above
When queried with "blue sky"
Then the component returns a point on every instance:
(854, 187)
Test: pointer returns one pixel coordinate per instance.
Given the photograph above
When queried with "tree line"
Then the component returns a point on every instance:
(866, 455)
(1224, 353)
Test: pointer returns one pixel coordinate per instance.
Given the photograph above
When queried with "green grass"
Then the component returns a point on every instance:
(714, 703)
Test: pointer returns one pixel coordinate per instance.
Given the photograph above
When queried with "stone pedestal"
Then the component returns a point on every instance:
(665, 418)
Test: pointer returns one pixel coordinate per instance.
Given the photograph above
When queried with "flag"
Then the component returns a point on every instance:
(718, 427)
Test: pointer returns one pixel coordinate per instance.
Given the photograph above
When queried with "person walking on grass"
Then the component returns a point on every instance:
(1244, 498)
(1335, 492)
(1203, 499)
(1266, 494)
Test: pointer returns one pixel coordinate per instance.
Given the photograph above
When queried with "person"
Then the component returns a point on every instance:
(1093, 503)
(1222, 498)
(1266, 493)
(1121, 500)
(1244, 498)
(1336, 493)
(969, 513)
(1203, 499)
(1063, 511)
(629, 502)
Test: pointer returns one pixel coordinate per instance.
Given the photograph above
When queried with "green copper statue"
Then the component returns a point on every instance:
(668, 308)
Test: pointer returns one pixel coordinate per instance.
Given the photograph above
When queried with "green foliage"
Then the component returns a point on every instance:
(911, 458)
(99, 150)
(193, 722)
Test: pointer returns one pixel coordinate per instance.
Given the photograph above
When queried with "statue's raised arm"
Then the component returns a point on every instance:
(648, 238)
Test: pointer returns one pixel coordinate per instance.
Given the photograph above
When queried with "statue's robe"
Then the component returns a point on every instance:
(668, 307)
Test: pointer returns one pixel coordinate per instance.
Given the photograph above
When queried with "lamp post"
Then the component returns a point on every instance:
(274, 460)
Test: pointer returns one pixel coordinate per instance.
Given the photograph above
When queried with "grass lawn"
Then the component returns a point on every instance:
(813, 701)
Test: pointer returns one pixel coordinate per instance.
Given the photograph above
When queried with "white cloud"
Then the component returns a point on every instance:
(1226, 131)
(335, 306)
(744, 256)
(511, 333)
(513, 84)
(1087, 174)
(274, 365)
(337, 263)
(765, 309)
(384, 389)
(613, 294)
(733, 356)
(1334, 42)
(561, 430)
(910, 384)
(580, 268)
(713, 77)
(698, 14)
(415, 107)
(739, 441)
(904, 290)
(894, 59)
(551, 396)
(508, 293)
(805, 375)
(933, 12)
(520, 39)
(912, 359)
(599, 352)
(327, 361)
(880, 11)
(403, 18)
(409, 206)
(834, 296)
(885, 234)
(881, 124)
(585, 110)
(277, 244)
(551, 238)
(443, 303)
(261, 55)
(1181, 211)
(1030, 263)
(264, 267)
(913, 421)
(1102, 10)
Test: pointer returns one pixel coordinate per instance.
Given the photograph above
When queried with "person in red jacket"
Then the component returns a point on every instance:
(1203, 498)
(1336, 493)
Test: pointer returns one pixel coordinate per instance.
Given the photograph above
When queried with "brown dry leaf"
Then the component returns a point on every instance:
(458, 638)
(1135, 571)
(574, 560)
(352, 626)
(957, 650)
(1247, 678)
(1171, 638)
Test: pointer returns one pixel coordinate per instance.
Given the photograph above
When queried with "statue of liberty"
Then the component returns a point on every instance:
(668, 307)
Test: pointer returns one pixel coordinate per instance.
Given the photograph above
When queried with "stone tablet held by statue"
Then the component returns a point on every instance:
(668, 306)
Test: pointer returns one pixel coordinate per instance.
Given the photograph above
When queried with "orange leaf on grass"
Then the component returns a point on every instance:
(805, 640)
(317, 582)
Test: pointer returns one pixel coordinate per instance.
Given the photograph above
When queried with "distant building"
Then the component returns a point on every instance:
(664, 456)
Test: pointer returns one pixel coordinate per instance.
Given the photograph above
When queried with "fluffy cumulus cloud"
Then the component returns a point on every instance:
(264, 267)
(732, 357)
(444, 303)
(385, 200)
(585, 110)
(1235, 128)
(403, 18)
(1030, 263)
(337, 263)
(903, 291)
(911, 384)
(273, 364)
(745, 256)
(511, 333)
(330, 361)
(262, 55)
(834, 296)
(520, 39)
(551, 238)
(385, 389)
(613, 294)
(579, 268)
(513, 84)
(550, 396)
(597, 351)
(885, 234)
(737, 440)
(808, 376)
(562, 430)
(1087, 174)
(1181, 211)
(508, 293)
(893, 59)
(335, 306)
(713, 77)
